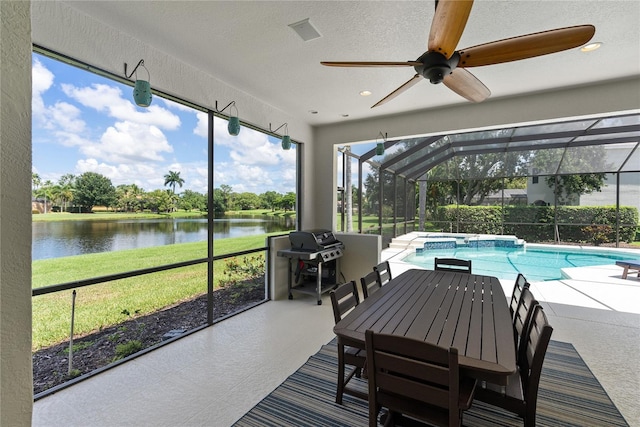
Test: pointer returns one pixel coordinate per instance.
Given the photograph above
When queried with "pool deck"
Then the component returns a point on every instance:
(593, 308)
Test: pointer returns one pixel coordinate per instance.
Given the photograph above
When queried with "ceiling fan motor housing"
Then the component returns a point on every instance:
(435, 66)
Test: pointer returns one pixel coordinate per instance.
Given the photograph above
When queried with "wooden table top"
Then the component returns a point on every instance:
(465, 311)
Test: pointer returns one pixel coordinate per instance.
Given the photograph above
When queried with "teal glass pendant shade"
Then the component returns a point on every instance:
(142, 93)
(380, 149)
(234, 126)
(286, 142)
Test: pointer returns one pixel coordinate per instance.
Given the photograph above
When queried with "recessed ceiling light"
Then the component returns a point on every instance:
(313, 111)
(345, 115)
(365, 93)
(591, 47)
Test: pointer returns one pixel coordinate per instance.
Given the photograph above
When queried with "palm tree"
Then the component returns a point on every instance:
(173, 178)
(45, 191)
(36, 181)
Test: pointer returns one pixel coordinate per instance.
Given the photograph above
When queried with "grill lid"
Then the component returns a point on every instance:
(313, 240)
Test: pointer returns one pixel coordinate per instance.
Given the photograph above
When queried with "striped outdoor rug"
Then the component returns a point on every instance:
(569, 395)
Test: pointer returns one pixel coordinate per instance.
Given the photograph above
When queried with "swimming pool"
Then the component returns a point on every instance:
(537, 262)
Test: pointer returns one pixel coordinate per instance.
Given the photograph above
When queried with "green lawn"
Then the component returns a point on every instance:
(110, 303)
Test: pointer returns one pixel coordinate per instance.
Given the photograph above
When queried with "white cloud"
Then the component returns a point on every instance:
(67, 117)
(202, 127)
(41, 81)
(109, 99)
(129, 142)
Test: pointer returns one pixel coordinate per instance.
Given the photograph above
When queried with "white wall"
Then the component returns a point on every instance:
(16, 387)
(361, 254)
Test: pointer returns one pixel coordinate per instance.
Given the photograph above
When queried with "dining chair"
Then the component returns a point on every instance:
(452, 264)
(522, 318)
(383, 271)
(521, 283)
(369, 284)
(415, 380)
(343, 299)
(521, 395)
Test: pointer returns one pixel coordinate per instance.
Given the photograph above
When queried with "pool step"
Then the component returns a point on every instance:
(407, 242)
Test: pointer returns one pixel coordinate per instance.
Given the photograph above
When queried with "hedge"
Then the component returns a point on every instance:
(580, 224)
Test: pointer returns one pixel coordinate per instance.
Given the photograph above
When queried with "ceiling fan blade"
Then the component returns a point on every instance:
(448, 24)
(415, 79)
(526, 46)
(466, 85)
(370, 64)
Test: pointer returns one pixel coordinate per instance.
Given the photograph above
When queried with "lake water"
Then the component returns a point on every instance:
(66, 238)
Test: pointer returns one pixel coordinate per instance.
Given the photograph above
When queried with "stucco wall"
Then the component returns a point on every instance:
(16, 396)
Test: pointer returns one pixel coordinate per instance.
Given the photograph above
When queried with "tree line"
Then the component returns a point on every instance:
(82, 193)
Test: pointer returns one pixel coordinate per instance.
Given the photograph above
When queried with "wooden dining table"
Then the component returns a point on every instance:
(465, 311)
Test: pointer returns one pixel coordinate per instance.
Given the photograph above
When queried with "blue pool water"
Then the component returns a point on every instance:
(536, 264)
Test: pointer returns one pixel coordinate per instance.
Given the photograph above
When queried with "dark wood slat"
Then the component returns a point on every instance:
(460, 339)
(454, 317)
(442, 316)
(474, 337)
(425, 318)
(421, 302)
(488, 325)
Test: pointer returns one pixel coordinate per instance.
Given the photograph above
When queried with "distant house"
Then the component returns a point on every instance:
(629, 192)
(41, 206)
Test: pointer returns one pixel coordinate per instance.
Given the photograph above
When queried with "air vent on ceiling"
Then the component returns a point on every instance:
(305, 30)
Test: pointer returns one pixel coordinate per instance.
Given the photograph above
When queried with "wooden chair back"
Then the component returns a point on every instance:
(369, 284)
(452, 264)
(383, 271)
(521, 283)
(522, 318)
(521, 394)
(343, 299)
(535, 346)
(415, 378)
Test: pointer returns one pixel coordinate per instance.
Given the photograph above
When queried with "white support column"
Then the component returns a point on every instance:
(16, 388)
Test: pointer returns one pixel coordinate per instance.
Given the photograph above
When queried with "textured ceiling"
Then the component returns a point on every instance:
(249, 45)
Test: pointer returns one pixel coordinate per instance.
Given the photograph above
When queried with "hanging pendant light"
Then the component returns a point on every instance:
(380, 145)
(233, 126)
(142, 88)
(286, 139)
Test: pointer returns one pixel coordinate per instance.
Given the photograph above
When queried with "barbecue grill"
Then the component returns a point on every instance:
(313, 262)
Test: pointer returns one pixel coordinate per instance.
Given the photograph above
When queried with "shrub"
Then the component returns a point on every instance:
(596, 224)
(127, 349)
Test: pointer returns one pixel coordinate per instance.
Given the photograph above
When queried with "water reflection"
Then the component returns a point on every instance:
(67, 238)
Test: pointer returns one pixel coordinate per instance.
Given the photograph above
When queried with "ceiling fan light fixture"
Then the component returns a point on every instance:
(591, 47)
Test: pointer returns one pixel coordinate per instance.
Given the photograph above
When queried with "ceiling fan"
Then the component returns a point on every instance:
(441, 63)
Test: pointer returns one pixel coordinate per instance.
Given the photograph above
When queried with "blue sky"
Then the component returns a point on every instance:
(83, 122)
